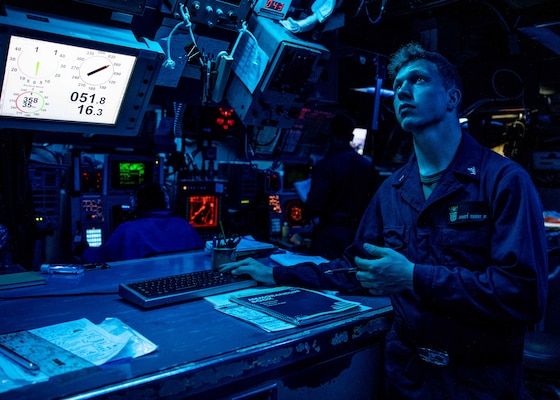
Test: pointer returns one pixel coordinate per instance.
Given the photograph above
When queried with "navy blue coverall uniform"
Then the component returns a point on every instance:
(480, 276)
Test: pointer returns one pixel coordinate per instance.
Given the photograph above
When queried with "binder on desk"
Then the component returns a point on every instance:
(297, 305)
(21, 279)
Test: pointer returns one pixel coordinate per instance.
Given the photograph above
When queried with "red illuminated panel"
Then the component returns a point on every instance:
(225, 119)
(294, 214)
(204, 211)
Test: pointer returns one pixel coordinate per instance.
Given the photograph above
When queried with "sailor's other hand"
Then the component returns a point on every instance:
(249, 266)
(386, 272)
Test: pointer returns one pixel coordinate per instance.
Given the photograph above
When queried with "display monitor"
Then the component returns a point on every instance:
(129, 174)
(125, 173)
(71, 76)
(201, 203)
(94, 237)
(203, 211)
(295, 173)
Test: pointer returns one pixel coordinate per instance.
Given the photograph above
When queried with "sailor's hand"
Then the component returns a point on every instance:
(386, 272)
(249, 266)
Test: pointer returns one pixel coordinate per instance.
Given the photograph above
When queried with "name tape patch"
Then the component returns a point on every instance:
(469, 212)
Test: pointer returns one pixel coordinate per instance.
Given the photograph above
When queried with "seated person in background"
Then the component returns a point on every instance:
(155, 230)
(342, 184)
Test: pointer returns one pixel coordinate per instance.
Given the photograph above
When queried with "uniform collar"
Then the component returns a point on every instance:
(466, 162)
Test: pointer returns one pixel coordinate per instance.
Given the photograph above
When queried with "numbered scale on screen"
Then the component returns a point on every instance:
(52, 81)
(30, 102)
(37, 65)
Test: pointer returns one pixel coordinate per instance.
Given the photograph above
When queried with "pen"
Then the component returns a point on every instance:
(338, 270)
(20, 360)
(223, 232)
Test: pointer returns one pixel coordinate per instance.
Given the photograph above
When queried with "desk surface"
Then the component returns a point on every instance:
(198, 346)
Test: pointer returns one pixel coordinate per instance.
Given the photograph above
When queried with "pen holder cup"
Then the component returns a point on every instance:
(222, 255)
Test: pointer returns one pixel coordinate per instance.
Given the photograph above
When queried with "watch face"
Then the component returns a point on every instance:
(53, 81)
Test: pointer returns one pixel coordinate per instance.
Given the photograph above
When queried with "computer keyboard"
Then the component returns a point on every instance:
(178, 288)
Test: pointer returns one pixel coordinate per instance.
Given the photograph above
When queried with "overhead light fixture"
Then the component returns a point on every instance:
(372, 89)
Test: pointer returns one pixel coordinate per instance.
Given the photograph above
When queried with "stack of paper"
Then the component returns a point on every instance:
(36, 355)
(288, 259)
(246, 246)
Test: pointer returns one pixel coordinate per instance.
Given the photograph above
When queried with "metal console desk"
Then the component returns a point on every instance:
(202, 353)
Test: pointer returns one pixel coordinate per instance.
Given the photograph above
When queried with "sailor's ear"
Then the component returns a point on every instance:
(454, 98)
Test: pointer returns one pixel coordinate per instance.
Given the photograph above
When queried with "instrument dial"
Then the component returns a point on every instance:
(53, 81)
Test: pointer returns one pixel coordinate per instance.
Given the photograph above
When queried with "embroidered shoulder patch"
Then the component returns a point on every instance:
(468, 212)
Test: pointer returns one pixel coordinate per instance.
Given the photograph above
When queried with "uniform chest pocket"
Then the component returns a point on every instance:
(397, 238)
(465, 246)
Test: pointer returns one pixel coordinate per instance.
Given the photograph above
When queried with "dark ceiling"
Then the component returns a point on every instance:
(481, 37)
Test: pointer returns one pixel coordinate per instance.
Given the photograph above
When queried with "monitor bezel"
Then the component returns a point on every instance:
(149, 57)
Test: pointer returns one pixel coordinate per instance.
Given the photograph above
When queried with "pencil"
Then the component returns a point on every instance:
(339, 270)
(20, 360)
(223, 234)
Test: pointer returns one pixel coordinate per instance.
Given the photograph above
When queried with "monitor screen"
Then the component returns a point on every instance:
(62, 75)
(94, 236)
(52, 81)
(295, 173)
(129, 174)
(293, 212)
(124, 173)
(203, 211)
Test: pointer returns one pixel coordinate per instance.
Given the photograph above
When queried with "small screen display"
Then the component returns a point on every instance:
(274, 5)
(295, 173)
(129, 174)
(94, 237)
(293, 212)
(59, 82)
(272, 9)
(203, 211)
